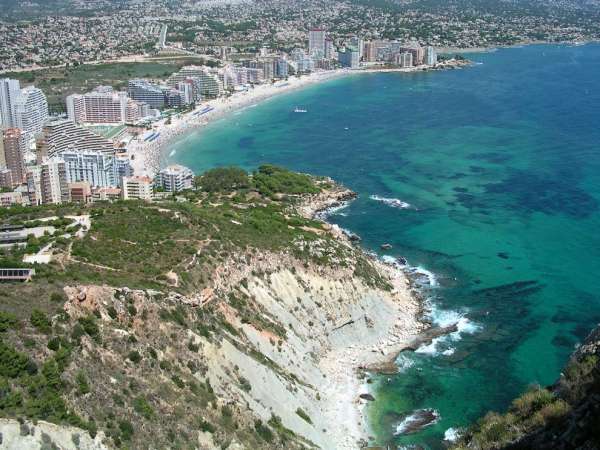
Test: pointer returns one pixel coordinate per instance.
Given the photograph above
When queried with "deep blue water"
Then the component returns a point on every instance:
(500, 163)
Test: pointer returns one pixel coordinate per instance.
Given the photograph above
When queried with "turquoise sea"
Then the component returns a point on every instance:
(500, 164)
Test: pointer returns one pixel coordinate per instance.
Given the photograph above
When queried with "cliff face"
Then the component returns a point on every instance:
(249, 336)
(563, 416)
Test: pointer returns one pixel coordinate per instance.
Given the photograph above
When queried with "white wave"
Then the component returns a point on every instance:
(431, 348)
(404, 363)
(451, 434)
(445, 318)
(172, 152)
(393, 202)
(410, 420)
(334, 210)
(424, 276)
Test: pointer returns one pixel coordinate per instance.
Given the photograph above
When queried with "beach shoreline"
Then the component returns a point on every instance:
(147, 158)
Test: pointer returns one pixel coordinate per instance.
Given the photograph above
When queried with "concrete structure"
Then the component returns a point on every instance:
(53, 182)
(430, 55)
(405, 59)
(316, 43)
(106, 194)
(34, 185)
(10, 91)
(80, 192)
(349, 58)
(137, 188)
(96, 168)
(11, 198)
(143, 91)
(17, 274)
(6, 179)
(32, 113)
(175, 178)
(329, 49)
(103, 105)
(370, 51)
(13, 145)
(64, 135)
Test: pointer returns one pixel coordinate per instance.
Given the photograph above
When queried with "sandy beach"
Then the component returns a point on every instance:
(148, 157)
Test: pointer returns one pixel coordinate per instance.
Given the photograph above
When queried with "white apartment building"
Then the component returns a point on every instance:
(103, 105)
(139, 188)
(175, 178)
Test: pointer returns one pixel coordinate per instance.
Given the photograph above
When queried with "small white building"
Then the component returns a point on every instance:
(175, 178)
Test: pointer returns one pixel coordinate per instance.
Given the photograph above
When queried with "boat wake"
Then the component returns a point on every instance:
(392, 202)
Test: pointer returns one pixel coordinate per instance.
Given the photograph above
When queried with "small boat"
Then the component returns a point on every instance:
(299, 110)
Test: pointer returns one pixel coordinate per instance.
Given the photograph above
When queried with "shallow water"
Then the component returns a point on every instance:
(498, 165)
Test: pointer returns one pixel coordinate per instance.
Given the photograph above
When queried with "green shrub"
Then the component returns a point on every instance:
(134, 356)
(263, 431)
(126, 429)
(39, 320)
(303, 415)
(142, 407)
(7, 321)
(82, 384)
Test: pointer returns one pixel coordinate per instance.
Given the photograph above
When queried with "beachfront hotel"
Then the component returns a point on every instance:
(96, 168)
(105, 106)
(316, 43)
(64, 135)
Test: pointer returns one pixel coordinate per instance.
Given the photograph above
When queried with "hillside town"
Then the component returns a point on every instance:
(36, 34)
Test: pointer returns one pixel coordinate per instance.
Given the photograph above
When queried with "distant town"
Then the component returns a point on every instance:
(88, 153)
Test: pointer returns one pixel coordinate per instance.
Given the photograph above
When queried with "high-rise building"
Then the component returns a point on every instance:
(370, 51)
(53, 182)
(96, 168)
(139, 188)
(281, 68)
(349, 58)
(418, 54)
(143, 91)
(10, 91)
(34, 184)
(316, 43)
(175, 178)
(209, 83)
(430, 56)
(358, 44)
(13, 139)
(6, 178)
(406, 59)
(26, 109)
(329, 52)
(32, 112)
(103, 105)
(63, 135)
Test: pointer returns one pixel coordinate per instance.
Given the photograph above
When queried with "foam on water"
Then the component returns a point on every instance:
(333, 211)
(393, 202)
(444, 318)
(451, 434)
(404, 363)
(410, 421)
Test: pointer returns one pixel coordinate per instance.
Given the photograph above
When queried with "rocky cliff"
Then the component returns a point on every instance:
(232, 320)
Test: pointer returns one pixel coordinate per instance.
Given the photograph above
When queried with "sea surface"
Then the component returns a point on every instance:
(497, 170)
